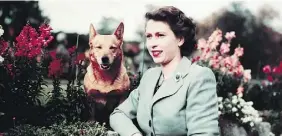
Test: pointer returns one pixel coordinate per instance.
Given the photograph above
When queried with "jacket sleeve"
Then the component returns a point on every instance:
(202, 107)
(121, 117)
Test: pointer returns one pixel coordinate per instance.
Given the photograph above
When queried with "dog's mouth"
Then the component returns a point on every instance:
(105, 66)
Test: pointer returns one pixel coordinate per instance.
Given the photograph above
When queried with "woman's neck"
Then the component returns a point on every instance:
(170, 67)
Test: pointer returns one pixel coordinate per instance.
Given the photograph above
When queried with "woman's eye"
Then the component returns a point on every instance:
(98, 47)
(148, 36)
(113, 48)
(160, 35)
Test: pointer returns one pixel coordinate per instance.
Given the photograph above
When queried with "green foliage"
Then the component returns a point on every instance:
(62, 129)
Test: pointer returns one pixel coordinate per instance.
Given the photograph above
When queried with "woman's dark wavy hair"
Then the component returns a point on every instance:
(180, 24)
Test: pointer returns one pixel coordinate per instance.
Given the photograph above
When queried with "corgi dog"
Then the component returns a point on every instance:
(106, 74)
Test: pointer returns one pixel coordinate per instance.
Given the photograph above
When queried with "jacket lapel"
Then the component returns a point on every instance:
(172, 84)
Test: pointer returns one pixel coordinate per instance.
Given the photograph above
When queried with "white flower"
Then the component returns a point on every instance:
(1, 31)
(252, 124)
(258, 119)
(234, 101)
(240, 95)
(234, 109)
(229, 106)
(219, 99)
(250, 103)
(219, 112)
(220, 106)
(1, 59)
(234, 97)
(237, 114)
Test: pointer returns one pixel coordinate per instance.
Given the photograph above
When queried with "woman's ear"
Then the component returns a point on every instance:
(181, 41)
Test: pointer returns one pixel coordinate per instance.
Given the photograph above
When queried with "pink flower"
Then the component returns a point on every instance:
(227, 62)
(223, 69)
(239, 51)
(239, 71)
(266, 69)
(277, 70)
(202, 44)
(240, 89)
(216, 36)
(230, 35)
(213, 45)
(224, 48)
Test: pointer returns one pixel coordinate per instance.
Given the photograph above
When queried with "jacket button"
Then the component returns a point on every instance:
(150, 123)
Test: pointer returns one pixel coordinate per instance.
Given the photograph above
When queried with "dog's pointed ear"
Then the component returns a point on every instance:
(92, 32)
(119, 31)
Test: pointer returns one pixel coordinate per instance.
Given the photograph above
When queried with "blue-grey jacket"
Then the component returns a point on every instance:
(185, 104)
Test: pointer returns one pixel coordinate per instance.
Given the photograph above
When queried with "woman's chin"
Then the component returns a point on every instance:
(158, 60)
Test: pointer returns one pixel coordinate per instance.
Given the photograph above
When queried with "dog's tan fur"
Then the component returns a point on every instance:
(97, 80)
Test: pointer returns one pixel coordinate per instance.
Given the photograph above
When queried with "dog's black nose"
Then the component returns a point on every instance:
(105, 60)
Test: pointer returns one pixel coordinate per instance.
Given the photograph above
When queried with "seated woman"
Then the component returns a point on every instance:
(177, 98)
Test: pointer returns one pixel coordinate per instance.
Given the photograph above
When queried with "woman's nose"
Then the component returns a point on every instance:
(152, 43)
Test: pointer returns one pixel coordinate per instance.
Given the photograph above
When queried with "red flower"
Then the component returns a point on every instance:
(266, 69)
(277, 70)
(55, 69)
(29, 43)
(80, 57)
(270, 78)
(53, 54)
(3, 46)
(71, 50)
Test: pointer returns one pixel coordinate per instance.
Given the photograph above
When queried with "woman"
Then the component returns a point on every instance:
(177, 98)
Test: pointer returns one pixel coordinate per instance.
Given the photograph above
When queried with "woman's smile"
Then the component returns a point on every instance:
(156, 53)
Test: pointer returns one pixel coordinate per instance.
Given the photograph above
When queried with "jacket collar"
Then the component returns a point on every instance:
(172, 84)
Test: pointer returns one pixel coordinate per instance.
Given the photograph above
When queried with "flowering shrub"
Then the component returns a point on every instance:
(230, 75)
(22, 68)
(61, 129)
(270, 91)
(273, 74)
(22, 71)
(214, 54)
(22, 74)
(236, 107)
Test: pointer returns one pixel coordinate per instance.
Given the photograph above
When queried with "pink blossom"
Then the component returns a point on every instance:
(223, 69)
(216, 36)
(240, 89)
(230, 35)
(239, 51)
(239, 71)
(202, 44)
(224, 48)
(227, 62)
(266, 69)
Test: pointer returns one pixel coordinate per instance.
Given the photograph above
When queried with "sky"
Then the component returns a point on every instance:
(75, 16)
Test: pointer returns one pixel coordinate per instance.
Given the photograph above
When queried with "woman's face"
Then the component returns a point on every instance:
(162, 44)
